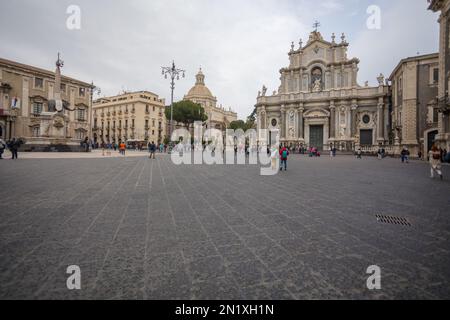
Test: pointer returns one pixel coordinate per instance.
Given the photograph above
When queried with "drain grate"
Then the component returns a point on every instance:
(393, 220)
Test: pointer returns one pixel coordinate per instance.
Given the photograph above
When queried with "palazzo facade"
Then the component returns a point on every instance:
(320, 103)
(50, 112)
(443, 99)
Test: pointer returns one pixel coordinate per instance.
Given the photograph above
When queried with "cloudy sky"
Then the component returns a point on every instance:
(240, 45)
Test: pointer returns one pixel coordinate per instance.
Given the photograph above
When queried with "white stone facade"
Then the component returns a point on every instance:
(319, 102)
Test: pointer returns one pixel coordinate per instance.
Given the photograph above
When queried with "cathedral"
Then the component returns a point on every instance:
(320, 103)
(218, 117)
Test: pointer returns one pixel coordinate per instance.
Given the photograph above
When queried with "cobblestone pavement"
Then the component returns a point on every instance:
(98, 153)
(147, 229)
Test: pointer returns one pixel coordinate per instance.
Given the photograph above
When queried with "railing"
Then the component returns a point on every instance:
(374, 149)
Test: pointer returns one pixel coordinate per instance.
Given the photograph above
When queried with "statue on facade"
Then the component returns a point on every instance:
(317, 86)
(316, 80)
(264, 91)
(380, 79)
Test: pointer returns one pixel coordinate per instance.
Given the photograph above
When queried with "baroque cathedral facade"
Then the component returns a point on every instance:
(320, 103)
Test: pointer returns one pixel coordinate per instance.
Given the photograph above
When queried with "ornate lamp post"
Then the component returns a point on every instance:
(94, 90)
(174, 73)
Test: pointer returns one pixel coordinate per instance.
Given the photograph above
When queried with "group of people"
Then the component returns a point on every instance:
(12, 145)
(313, 152)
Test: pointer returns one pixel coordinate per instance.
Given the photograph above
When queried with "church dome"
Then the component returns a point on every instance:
(200, 90)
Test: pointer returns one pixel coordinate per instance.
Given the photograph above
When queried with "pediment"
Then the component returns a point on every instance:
(316, 113)
(322, 44)
(38, 98)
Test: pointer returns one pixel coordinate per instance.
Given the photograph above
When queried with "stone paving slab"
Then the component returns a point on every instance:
(147, 229)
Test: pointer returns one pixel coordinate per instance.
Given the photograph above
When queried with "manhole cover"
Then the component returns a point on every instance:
(393, 220)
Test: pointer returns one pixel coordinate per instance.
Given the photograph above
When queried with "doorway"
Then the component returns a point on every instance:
(316, 136)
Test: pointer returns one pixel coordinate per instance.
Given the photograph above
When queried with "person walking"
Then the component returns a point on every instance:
(2, 148)
(405, 155)
(435, 162)
(359, 153)
(122, 148)
(284, 153)
(14, 148)
(152, 149)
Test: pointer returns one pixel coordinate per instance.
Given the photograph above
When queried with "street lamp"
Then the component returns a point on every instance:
(94, 90)
(174, 73)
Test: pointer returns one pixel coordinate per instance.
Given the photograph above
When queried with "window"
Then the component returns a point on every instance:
(153, 108)
(435, 115)
(39, 83)
(366, 119)
(37, 108)
(36, 131)
(63, 87)
(153, 132)
(81, 115)
(126, 123)
(146, 123)
(153, 122)
(146, 109)
(435, 75)
(132, 123)
(80, 135)
(82, 92)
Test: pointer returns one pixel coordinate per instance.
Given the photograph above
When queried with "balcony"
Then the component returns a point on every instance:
(444, 104)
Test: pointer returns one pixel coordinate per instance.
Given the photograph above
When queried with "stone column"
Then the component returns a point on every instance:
(332, 121)
(380, 120)
(13, 127)
(300, 123)
(283, 122)
(348, 121)
(353, 121)
(8, 129)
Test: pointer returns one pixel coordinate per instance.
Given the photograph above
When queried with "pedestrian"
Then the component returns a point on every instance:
(284, 153)
(419, 155)
(435, 162)
(2, 148)
(152, 149)
(122, 148)
(405, 155)
(14, 148)
(380, 154)
(359, 154)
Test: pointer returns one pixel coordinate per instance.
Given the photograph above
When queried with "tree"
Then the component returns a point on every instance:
(239, 124)
(187, 112)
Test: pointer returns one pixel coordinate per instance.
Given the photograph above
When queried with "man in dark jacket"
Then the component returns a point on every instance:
(284, 153)
(14, 146)
(152, 149)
